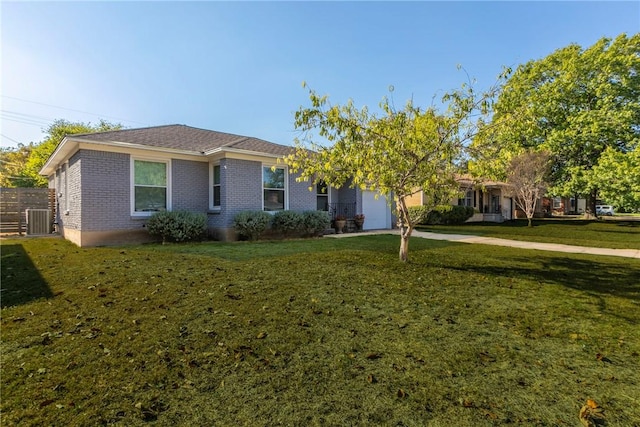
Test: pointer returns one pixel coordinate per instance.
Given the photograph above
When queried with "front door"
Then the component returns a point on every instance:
(495, 204)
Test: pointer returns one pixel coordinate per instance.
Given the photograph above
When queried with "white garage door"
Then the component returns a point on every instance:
(377, 214)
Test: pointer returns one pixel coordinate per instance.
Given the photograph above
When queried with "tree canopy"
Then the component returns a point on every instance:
(395, 152)
(617, 176)
(12, 162)
(575, 103)
(526, 180)
(21, 167)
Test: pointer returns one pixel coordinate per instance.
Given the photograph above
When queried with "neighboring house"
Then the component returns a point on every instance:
(109, 183)
(563, 206)
(487, 198)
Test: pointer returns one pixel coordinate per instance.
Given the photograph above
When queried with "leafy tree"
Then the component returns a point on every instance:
(576, 103)
(526, 179)
(617, 176)
(39, 153)
(12, 161)
(394, 152)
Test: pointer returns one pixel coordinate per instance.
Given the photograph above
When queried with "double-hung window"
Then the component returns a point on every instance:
(467, 200)
(322, 196)
(150, 186)
(216, 186)
(274, 188)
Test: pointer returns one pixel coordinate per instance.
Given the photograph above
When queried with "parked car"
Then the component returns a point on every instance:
(605, 210)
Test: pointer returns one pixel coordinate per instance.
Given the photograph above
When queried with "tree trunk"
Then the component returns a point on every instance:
(404, 246)
(405, 226)
(529, 224)
(590, 211)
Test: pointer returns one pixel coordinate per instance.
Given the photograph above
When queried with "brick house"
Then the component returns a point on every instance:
(109, 183)
(488, 199)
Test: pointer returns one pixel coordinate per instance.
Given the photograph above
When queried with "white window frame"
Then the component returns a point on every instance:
(212, 167)
(327, 194)
(285, 189)
(132, 186)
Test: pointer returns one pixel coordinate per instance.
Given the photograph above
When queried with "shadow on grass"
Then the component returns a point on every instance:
(21, 281)
(243, 251)
(591, 276)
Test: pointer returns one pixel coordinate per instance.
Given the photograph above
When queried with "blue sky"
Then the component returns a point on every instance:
(238, 66)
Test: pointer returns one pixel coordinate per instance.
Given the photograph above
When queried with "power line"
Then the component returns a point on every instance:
(25, 118)
(48, 119)
(24, 122)
(10, 139)
(71, 109)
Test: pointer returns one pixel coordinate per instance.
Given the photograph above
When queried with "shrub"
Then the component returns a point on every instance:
(177, 226)
(251, 224)
(287, 222)
(418, 214)
(315, 223)
(449, 215)
(457, 215)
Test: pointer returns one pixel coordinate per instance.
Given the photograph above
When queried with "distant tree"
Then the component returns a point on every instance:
(12, 161)
(526, 180)
(575, 103)
(55, 133)
(617, 176)
(397, 152)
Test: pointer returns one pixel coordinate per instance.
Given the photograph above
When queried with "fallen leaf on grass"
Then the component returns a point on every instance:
(373, 356)
(491, 415)
(372, 379)
(261, 335)
(46, 402)
(602, 358)
(577, 336)
(402, 394)
(591, 414)
(467, 403)
(486, 357)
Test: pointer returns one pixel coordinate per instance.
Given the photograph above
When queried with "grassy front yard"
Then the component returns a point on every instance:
(617, 234)
(322, 332)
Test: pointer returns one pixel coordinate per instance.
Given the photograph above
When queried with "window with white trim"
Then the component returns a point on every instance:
(274, 188)
(150, 186)
(322, 196)
(467, 200)
(215, 187)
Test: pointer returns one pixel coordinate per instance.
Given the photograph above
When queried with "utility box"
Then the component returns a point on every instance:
(38, 221)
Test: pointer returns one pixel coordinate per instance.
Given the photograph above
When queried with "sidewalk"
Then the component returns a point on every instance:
(462, 238)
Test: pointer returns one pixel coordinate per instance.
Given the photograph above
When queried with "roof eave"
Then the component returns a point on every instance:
(68, 144)
(219, 150)
(62, 150)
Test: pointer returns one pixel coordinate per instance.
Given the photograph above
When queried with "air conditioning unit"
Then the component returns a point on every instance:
(38, 221)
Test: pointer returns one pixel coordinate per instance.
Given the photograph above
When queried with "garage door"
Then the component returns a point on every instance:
(377, 214)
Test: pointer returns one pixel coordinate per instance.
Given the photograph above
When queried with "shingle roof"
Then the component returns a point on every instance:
(182, 137)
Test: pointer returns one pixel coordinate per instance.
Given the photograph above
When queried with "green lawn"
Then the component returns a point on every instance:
(315, 332)
(617, 234)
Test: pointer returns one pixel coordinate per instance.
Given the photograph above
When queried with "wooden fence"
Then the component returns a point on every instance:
(15, 201)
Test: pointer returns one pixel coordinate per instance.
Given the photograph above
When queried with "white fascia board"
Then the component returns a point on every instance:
(69, 145)
(128, 145)
(236, 153)
(59, 155)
